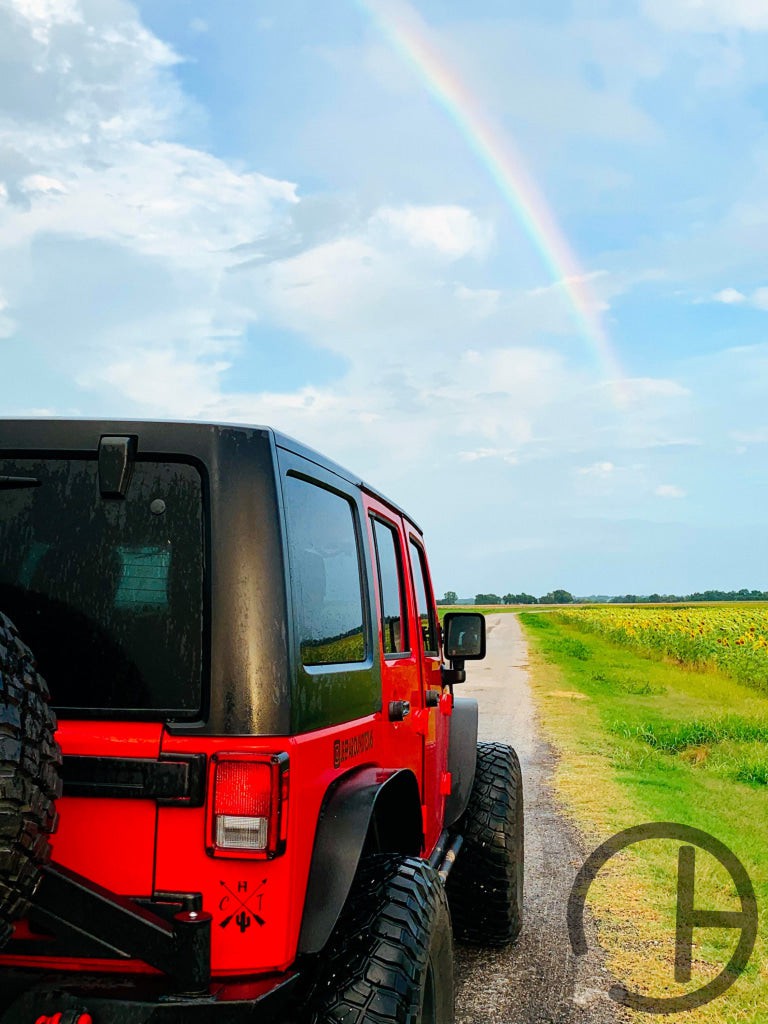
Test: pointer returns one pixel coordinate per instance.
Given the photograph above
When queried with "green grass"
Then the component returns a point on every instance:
(644, 740)
(678, 736)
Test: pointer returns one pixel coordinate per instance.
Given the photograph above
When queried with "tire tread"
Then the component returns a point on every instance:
(485, 885)
(377, 954)
(30, 781)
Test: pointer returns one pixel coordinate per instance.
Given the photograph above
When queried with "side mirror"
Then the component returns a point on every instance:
(464, 636)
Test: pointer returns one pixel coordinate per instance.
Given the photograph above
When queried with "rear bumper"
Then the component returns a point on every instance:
(121, 999)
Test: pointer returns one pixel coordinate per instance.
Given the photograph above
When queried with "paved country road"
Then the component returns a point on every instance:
(537, 980)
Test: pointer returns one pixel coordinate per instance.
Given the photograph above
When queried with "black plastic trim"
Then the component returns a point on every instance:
(377, 806)
(462, 757)
(173, 779)
(116, 458)
(16, 483)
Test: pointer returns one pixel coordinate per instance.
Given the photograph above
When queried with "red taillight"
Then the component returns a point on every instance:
(247, 808)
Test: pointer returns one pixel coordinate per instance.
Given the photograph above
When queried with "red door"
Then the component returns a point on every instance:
(402, 700)
(435, 725)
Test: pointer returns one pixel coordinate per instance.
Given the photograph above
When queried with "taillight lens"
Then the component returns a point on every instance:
(242, 805)
(249, 793)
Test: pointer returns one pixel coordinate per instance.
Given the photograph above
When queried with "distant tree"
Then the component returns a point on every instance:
(520, 599)
(557, 597)
(487, 599)
(449, 597)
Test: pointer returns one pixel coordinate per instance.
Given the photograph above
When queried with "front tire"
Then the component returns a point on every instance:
(390, 958)
(485, 887)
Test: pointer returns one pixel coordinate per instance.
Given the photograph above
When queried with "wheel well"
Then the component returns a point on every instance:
(396, 825)
(368, 810)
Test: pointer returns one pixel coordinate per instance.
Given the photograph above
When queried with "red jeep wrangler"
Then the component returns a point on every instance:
(262, 797)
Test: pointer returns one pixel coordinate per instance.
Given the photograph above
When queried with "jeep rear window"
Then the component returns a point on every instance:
(106, 591)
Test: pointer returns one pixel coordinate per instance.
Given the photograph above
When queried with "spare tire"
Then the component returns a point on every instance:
(29, 776)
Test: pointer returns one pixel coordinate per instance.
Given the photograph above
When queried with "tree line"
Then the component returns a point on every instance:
(554, 597)
(699, 595)
(564, 597)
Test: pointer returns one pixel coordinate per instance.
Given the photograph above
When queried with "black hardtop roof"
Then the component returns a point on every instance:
(164, 435)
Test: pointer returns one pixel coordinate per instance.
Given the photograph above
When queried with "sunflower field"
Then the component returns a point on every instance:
(732, 639)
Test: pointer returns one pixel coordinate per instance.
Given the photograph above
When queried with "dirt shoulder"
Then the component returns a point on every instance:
(538, 979)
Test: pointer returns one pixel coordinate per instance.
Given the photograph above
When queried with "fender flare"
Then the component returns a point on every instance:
(462, 757)
(375, 807)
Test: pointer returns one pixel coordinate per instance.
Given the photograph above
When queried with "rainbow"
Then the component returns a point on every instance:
(410, 37)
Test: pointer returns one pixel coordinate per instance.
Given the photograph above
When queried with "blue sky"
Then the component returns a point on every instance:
(258, 212)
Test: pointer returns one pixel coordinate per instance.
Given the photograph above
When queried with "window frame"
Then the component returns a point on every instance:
(336, 667)
(407, 652)
(415, 543)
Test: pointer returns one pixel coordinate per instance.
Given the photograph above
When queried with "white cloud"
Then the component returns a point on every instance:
(748, 437)
(599, 470)
(170, 380)
(485, 300)
(757, 298)
(452, 231)
(730, 296)
(504, 454)
(708, 15)
(43, 15)
(115, 238)
(640, 389)
(669, 491)
(43, 184)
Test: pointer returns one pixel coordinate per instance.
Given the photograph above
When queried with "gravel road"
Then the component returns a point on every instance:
(538, 980)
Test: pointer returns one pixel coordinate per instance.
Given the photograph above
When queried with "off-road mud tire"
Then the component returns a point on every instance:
(485, 887)
(29, 776)
(390, 958)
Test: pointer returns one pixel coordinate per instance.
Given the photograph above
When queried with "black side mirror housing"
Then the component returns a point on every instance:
(464, 636)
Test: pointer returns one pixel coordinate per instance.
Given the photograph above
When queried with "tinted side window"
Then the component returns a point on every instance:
(326, 574)
(424, 602)
(394, 624)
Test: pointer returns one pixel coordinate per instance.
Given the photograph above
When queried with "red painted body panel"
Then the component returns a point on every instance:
(270, 890)
(119, 849)
(257, 905)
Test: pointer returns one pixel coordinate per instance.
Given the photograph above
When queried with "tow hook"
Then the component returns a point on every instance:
(67, 1017)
